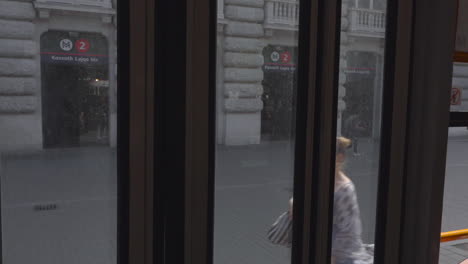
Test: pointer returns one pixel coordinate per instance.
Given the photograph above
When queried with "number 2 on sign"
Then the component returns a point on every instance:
(82, 45)
(286, 57)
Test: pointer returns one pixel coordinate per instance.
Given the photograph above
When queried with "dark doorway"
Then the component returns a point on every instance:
(279, 89)
(75, 106)
(278, 105)
(360, 89)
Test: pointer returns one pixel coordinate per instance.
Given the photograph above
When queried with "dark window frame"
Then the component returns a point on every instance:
(393, 131)
(427, 121)
(414, 130)
(319, 52)
(135, 111)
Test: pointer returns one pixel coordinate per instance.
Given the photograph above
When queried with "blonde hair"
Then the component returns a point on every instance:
(342, 144)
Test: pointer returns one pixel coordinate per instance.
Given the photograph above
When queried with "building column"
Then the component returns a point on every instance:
(243, 74)
(20, 119)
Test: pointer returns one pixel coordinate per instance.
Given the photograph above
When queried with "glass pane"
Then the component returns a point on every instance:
(58, 131)
(358, 130)
(256, 87)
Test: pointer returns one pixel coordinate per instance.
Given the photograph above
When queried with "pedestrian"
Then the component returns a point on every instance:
(347, 245)
(102, 118)
(353, 128)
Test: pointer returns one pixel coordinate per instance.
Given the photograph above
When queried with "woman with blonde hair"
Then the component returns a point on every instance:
(347, 245)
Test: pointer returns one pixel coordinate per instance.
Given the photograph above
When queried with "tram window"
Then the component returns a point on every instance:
(256, 89)
(58, 120)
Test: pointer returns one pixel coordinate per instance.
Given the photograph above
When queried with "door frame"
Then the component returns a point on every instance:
(135, 137)
(427, 121)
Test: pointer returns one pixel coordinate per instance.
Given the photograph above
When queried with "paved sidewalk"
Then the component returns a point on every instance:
(253, 185)
(59, 206)
(453, 252)
(455, 212)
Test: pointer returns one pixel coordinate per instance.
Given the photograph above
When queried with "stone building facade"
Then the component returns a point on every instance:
(19, 102)
(242, 45)
(246, 28)
(22, 23)
(250, 32)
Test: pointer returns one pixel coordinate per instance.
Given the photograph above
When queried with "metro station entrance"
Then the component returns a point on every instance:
(279, 91)
(75, 90)
(361, 88)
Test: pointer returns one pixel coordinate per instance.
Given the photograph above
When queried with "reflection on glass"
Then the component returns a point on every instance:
(256, 87)
(358, 130)
(58, 132)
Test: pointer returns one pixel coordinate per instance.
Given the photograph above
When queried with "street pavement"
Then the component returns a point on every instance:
(253, 186)
(455, 211)
(59, 206)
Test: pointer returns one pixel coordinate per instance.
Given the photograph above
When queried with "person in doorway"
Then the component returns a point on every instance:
(347, 245)
(102, 118)
(354, 126)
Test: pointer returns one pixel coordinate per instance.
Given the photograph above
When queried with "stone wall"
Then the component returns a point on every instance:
(243, 74)
(18, 72)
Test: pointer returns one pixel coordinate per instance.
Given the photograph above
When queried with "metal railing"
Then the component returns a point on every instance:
(94, 3)
(454, 235)
(367, 21)
(282, 14)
